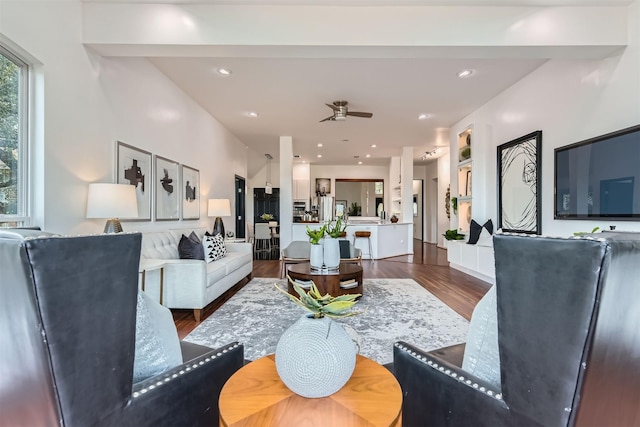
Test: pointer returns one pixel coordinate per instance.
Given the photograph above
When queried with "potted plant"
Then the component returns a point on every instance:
(332, 246)
(316, 254)
(316, 334)
(453, 235)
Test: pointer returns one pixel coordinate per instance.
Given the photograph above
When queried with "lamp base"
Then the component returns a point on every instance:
(113, 226)
(218, 227)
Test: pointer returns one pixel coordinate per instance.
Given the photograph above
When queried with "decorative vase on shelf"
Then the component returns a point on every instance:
(315, 357)
(316, 256)
(331, 253)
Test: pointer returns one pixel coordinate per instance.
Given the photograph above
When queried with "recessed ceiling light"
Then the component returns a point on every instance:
(319, 156)
(465, 73)
(252, 114)
(224, 71)
(320, 145)
(424, 116)
(373, 145)
(304, 161)
(368, 155)
(359, 163)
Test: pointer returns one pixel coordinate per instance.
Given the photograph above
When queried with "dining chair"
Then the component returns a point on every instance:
(262, 237)
(275, 235)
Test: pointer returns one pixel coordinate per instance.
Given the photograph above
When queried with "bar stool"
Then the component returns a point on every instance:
(363, 235)
(275, 236)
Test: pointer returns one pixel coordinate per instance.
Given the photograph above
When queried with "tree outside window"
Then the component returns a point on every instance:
(11, 185)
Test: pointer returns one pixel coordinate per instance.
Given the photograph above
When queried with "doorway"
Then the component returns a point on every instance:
(240, 206)
(418, 209)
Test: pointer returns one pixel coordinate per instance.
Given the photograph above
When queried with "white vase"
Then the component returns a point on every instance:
(316, 257)
(315, 357)
(331, 253)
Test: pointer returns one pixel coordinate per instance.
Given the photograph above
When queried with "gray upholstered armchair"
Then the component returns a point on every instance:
(568, 312)
(68, 307)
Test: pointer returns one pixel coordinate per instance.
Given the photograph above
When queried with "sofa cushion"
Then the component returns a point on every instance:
(235, 260)
(159, 245)
(157, 347)
(190, 247)
(481, 354)
(216, 270)
(214, 248)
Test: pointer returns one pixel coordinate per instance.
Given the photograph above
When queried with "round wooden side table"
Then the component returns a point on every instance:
(255, 396)
(333, 282)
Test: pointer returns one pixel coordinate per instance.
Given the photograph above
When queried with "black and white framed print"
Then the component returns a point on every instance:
(167, 189)
(519, 184)
(133, 166)
(190, 179)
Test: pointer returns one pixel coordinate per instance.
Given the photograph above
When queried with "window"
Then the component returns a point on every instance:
(13, 140)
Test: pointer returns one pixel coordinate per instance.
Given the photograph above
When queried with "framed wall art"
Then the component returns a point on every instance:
(167, 189)
(190, 196)
(133, 166)
(519, 186)
(323, 186)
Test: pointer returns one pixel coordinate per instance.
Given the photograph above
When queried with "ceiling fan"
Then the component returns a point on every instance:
(341, 111)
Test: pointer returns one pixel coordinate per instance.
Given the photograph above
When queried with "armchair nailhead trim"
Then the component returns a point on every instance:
(173, 376)
(425, 359)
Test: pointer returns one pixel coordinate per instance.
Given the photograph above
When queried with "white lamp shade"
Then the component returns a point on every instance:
(219, 207)
(112, 201)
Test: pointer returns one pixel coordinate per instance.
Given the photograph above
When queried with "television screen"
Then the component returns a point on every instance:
(599, 177)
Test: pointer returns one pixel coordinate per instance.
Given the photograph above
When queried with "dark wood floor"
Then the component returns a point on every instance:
(428, 266)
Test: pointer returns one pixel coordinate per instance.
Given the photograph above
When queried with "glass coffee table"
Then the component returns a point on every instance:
(255, 396)
(346, 280)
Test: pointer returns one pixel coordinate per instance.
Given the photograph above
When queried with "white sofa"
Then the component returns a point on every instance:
(188, 283)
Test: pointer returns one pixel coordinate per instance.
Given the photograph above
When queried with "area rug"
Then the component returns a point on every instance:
(394, 309)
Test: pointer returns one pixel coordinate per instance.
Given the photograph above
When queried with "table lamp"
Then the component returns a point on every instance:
(219, 208)
(112, 201)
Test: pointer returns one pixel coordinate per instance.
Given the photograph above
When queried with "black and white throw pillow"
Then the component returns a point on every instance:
(475, 229)
(214, 247)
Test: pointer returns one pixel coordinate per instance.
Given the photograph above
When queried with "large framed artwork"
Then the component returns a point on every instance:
(190, 185)
(167, 189)
(519, 189)
(133, 166)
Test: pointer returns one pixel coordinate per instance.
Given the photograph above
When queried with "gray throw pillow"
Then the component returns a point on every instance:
(481, 354)
(190, 247)
(157, 345)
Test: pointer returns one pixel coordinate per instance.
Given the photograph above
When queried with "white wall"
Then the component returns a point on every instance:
(570, 101)
(89, 103)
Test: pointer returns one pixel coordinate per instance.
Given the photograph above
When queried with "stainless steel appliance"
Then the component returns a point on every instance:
(299, 209)
(326, 206)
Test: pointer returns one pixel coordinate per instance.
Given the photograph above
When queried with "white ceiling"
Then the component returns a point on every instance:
(289, 90)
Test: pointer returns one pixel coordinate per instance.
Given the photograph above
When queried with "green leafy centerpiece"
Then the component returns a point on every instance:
(315, 357)
(266, 217)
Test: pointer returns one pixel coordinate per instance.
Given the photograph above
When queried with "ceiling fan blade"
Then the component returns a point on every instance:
(359, 114)
(328, 118)
(333, 107)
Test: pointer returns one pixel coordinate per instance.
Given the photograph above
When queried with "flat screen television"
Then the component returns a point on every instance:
(599, 177)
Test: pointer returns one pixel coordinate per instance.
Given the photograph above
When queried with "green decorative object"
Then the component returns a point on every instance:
(454, 204)
(453, 235)
(316, 235)
(336, 228)
(266, 217)
(465, 153)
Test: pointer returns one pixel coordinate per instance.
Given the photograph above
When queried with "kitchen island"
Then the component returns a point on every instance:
(387, 239)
